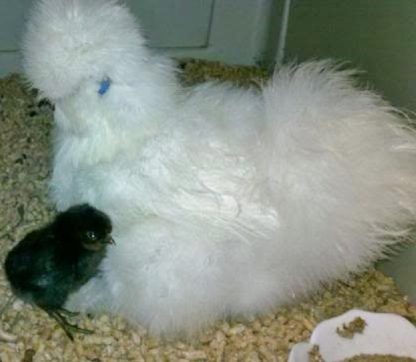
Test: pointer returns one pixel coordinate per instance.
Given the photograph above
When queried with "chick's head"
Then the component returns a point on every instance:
(84, 226)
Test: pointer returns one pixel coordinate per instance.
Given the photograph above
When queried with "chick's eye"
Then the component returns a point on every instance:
(91, 235)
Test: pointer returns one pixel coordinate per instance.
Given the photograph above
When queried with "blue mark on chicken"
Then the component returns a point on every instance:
(104, 86)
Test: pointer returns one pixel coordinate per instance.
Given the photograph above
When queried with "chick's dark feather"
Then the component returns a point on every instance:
(51, 263)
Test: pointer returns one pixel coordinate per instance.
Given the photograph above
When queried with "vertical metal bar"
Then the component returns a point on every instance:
(281, 46)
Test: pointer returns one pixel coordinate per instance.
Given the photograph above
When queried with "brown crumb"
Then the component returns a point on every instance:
(314, 354)
(352, 328)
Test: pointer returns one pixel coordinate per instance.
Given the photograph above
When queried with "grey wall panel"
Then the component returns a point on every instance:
(232, 31)
(378, 36)
(174, 23)
(12, 14)
(242, 32)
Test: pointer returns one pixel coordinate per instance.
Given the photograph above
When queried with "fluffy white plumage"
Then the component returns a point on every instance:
(224, 201)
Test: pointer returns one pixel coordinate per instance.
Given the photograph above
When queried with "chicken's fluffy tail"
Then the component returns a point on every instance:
(341, 167)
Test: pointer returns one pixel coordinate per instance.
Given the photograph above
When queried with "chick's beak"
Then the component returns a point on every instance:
(111, 241)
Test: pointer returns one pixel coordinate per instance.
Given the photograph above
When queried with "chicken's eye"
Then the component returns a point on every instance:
(91, 235)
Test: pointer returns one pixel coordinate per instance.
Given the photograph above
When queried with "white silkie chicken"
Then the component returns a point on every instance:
(224, 201)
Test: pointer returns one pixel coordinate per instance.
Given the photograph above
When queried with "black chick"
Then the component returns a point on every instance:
(51, 263)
